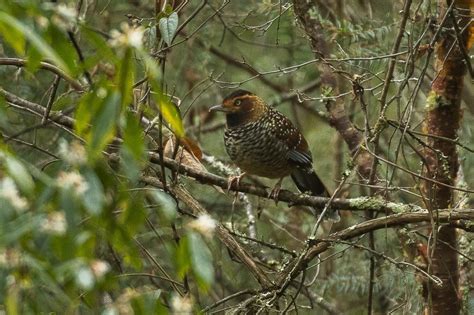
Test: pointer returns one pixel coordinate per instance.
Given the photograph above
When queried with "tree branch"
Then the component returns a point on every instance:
(223, 234)
(46, 66)
(357, 204)
(354, 204)
(338, 116)
(316, 246)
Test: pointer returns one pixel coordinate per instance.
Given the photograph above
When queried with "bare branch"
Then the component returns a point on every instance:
(47, 66)
(317, 246)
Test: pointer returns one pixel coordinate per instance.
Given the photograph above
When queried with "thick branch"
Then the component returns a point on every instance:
(316, 246)
(46, 66)
(37, 109)
(355, 204)
(362, 203)
(443, 119)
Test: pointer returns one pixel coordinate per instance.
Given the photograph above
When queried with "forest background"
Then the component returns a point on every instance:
(113, 172)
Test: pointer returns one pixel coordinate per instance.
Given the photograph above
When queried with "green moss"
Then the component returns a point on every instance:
(375, 203)
(369, 203)
(404, 208)
(434, 101)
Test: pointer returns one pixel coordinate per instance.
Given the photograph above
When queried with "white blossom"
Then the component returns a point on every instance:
(135, 37)
(73, 153)
(101, 93)
(88, 275)
(65, 16)
(128, 36)
(9, 258)
(99, 268)
(42, 21)
(55, 223)
(204, 224)
(73, 180)
(182, 305)
(9, 192)
(85, 278)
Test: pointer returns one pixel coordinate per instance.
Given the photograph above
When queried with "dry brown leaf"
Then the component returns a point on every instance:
(183, 155)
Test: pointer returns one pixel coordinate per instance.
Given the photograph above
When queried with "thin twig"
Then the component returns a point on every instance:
(227, 298)
(52, 96)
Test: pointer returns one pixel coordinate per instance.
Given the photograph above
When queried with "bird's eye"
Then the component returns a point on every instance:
(237, 102)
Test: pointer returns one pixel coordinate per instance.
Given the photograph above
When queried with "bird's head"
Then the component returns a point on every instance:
(241, 107)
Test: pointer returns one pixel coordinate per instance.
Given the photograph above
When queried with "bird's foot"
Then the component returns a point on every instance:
(275, 191)
(234, 181)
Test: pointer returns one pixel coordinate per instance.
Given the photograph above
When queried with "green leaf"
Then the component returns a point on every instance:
(170, 113)
(13, 37)
(201, 260)
(133, 136)
(133, 214)
(150, 36)
(84, 112)
(12, 231)
(148, 303)
(103, 126)
(20, 174)
(71, 205)
(166, 204)
(102, 50)
(183, 262)
(132, 153)
(34, 59)
(12, 300)
(4, 123)
(126, 76)
(129, 165)
(63, 48)
(11, 24)
(122, 241)
(94, 198)
(152, 69)
(168, 27)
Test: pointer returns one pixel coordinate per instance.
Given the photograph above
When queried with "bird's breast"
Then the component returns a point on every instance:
(256, 150)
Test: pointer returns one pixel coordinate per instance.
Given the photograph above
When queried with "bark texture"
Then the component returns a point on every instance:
(338, 116)
(442, 118)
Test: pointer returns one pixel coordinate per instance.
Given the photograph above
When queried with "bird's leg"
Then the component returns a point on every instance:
(234, 179)
(276, 191)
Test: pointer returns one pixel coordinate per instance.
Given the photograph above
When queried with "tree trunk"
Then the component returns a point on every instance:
(442, 118)
(338, 116)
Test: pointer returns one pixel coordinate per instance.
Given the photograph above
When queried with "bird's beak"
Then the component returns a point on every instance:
(219, 108)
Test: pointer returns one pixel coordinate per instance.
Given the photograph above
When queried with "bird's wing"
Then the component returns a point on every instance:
(298, 150)
(300, 158)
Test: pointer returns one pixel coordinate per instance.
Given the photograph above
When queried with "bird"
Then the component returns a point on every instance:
(262, 141)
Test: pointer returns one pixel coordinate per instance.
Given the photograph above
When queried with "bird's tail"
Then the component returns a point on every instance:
(308, 181)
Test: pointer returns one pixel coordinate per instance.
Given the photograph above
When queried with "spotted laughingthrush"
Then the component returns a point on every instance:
(261, 141)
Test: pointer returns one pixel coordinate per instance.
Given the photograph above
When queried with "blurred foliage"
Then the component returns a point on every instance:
(81, 234)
